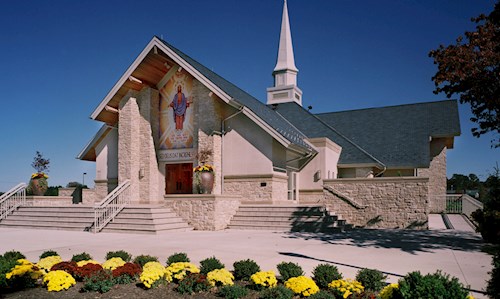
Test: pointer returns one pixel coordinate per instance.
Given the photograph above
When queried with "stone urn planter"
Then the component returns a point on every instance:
(206, 182)
(38, 184)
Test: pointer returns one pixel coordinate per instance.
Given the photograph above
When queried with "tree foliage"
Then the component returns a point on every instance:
(471, 69)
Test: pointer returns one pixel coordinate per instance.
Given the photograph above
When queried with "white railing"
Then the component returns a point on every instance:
(455, 204)
(12, 199)
(106, 210)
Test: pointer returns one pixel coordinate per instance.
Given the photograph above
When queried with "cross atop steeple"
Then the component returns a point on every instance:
(285, 72)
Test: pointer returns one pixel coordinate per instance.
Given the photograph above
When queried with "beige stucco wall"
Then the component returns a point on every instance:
(381, 202)
(107, 156)
(325, 163)
(204, 212)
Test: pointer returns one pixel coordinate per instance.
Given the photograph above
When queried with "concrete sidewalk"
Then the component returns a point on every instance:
(395, 252)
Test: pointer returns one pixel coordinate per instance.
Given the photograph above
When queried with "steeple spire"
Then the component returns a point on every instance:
(285, 59)
(285, 72)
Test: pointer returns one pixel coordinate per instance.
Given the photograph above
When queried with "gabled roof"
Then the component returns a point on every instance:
(88, 152)
(398, 135)
(265, 117)
(313, 127)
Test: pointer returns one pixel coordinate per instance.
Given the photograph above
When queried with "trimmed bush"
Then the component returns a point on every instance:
(210, 264)
(178, 257)
(101, 281)
(13, 255)
(278, 292)
(81, 257)
(48, 253)
(322, 294)
(323, 274)
(430, 286)
(142, 260)
(125, 256)
(193, 283)
(244, 269)
(232, 292)
(371, 279)
(493, 287)
(289, 270)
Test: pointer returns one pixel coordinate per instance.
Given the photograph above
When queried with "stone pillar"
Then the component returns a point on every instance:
(214, 145)
(148, 100)
(129, 147)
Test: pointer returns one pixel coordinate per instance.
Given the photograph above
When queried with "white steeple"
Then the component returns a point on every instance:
(285, 72)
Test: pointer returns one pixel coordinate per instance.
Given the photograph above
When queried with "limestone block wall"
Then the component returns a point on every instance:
(257, 188)
(204, 212)
(383, 202)
(49, 200)
(66, 191)
(437, 176)
(311, 196)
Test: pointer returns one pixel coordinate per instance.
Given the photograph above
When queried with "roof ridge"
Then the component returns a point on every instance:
(385, 107)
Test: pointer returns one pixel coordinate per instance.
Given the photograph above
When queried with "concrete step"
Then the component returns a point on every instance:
(42, 218)
(304, 218)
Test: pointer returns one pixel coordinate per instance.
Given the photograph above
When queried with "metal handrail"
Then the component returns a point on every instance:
(106, 210)
(12, 199)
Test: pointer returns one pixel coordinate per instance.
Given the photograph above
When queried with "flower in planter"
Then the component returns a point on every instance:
(38, 183)
(204, 168)
(220, 277)
(302, 285)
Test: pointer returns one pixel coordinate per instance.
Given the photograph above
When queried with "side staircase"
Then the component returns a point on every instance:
(294, 218)
(139, 219)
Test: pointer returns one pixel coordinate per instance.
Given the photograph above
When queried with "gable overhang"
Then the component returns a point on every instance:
(88, 152)
(155, 46)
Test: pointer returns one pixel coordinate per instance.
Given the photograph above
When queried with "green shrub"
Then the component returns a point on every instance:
(322, 294)
(493, 287)
(371, 279)
(81, 257)
(488, 219)
(5, 266)
(289, 270)
(278, 292)
(125, 256)
(430, 286)
(177, 258)
(102, 281)
(323, 274)
(244, 269)
(210, 264)
(193, 283)
(233, 292)
(48, 253)
(364, 295)
(13, 255)
(144, 259)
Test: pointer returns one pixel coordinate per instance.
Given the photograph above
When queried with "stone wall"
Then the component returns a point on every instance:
(257, 188)
(204, 212)
(49, 200)
(380, 202)
(437, 176)
(311, 196)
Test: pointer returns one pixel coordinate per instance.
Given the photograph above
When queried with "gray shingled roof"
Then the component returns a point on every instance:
(276, 121)
(398, 135)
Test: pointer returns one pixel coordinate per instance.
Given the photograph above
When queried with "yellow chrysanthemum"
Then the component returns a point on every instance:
(177, 271)
(24, 267)
(302, 285)
(46, 263)
(388, 290)
(113, 263)
(220, 277)
(83, 263)
(346, 287)
(58, 280)
(151, 273)
(264, 279)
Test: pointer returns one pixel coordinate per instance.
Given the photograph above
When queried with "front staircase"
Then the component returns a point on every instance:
(294, 218)
(140, 219)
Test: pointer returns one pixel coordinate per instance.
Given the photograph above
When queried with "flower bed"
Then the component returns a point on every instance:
(50, 274)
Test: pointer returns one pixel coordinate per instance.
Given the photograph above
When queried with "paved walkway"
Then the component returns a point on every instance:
(395, 252)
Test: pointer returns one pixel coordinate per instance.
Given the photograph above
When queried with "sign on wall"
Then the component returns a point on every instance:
(176, 118)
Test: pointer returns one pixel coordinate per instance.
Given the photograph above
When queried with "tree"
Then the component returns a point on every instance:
(471, 69)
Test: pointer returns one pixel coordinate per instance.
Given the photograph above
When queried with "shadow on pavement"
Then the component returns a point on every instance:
(411, 241)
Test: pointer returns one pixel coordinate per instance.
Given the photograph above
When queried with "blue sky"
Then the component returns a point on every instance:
(59, 59)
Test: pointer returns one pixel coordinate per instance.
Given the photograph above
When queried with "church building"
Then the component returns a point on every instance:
(168, 113)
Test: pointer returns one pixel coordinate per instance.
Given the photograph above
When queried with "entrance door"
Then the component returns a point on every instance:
(179, 178)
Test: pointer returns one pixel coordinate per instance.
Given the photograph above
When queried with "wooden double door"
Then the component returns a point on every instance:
(179, 178)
